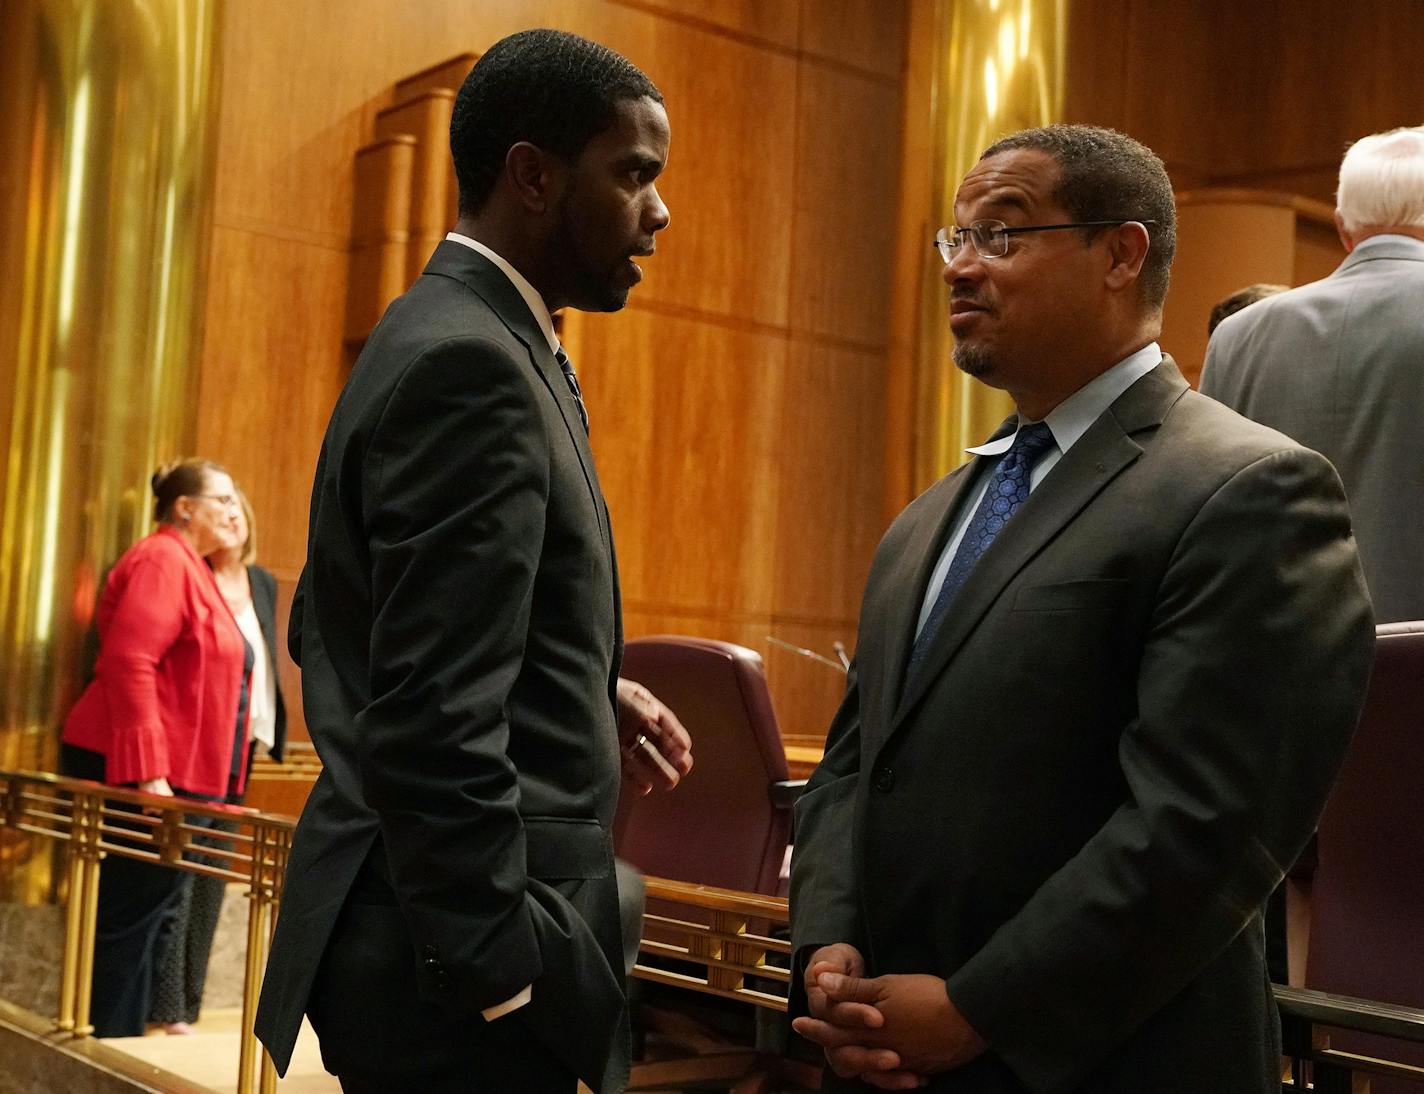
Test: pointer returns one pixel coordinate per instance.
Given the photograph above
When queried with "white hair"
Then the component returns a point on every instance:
(1382, 181)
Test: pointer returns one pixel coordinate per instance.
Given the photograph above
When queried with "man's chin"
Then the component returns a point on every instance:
(602, 298)
(975, 361)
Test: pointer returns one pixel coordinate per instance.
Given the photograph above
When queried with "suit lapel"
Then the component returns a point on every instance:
(489, 283)
(1098, 457)
(553, 377)
(911, 572)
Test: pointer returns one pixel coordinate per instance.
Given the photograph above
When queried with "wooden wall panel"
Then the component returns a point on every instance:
(865, 34)
(684, 425)
(272, 367)
(833, 404)
(772, 21)
(1232, 94)
(845, 222)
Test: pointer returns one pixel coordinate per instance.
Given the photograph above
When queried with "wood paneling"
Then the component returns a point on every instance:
(867, 34)
(272, 368)
(684, 424)
(772, 21)
(845, 220)
(1225, 92)
(829, 517)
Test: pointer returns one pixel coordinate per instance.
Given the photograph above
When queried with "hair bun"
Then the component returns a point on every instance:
(155, 483)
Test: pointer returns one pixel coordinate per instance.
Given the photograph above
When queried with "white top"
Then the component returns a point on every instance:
(526, 290)
(1068, 421)
(261, 695)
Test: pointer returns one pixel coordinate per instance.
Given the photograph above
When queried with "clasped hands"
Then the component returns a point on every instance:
(657, 750)
(892, 1032)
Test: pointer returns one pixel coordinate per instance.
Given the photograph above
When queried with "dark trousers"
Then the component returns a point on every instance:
(137, 903)
(186, 941)
(378, 1036)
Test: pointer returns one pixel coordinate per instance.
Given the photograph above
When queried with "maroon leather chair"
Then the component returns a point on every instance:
(728, 823)
(1367, 899)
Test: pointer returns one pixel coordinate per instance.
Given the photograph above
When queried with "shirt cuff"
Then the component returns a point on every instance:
(499, 1010)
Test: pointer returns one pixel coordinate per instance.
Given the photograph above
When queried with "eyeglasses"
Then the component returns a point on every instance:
(227, 501)
(991, 237)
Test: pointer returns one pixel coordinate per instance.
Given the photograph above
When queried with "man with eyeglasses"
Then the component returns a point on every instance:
(1105, 675)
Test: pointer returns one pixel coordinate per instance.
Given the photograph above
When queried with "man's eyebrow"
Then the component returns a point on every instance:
(640, 161)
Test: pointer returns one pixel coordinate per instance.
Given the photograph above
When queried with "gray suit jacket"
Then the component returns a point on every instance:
(1339, 365)
(459, 633)
(1121, 736)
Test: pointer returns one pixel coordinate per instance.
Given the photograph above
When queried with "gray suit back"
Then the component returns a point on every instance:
(1338, 365)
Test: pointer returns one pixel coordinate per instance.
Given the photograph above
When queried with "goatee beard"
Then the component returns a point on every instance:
(973, 361)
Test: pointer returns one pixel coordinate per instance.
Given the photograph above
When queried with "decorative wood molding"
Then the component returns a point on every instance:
(405, 196)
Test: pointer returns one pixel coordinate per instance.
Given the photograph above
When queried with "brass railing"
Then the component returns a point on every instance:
(724, 935)
(1308, 1018)
(96, 821)
(713, 941)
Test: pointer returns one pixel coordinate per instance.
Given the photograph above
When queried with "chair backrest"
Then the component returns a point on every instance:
(718, 827)
(1367, 899)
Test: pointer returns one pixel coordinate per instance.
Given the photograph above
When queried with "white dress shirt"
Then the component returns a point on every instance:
(1068, 421)
(527, 291)
(541, 315)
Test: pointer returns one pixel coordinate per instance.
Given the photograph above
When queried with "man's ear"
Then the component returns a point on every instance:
(534, 176)
(1128, 246)
(1347, 238)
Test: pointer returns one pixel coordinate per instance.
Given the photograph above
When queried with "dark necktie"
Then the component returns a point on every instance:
(1008, 489)
(572, 381)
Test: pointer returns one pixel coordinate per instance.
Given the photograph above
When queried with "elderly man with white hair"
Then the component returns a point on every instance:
(1338, 364)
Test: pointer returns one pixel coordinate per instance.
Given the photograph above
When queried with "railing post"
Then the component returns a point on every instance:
(76, 974)
(269, 863)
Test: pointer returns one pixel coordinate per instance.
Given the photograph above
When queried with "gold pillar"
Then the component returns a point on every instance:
(998, 67)
(106, 173)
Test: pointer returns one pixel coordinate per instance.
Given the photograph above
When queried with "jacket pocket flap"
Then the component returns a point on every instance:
(567, 847)
(1068, 596)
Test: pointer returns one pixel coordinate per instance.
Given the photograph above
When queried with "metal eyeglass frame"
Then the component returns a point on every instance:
(948, 240)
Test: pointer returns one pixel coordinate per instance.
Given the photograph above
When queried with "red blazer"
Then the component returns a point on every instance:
(163, 701)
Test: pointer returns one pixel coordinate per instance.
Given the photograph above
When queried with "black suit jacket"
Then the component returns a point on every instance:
(1120, 737)
(458, 628)
(264, 602)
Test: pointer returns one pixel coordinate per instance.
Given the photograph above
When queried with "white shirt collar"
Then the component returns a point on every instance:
(1071, 418)
(530, 294)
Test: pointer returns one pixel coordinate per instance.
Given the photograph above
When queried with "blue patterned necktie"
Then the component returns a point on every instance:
(1007, 490)
(569, 378)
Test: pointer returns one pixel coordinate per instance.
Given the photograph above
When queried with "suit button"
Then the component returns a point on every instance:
(884, 780)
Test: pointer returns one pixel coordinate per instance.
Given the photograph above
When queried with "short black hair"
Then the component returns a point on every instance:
(1241, 298)
(1106, 175)
(548, 87)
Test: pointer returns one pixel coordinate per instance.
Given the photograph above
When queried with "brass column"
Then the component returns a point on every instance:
(998, 67)
(106, 178)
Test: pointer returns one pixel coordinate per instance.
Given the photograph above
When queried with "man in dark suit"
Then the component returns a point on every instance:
(1105, 674)
(450, 914)
(1339, 364)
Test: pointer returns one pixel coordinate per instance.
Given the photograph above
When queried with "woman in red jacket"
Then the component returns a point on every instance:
(164, 714)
